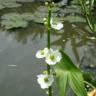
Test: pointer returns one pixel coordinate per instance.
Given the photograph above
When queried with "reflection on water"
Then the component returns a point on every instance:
(18, 65)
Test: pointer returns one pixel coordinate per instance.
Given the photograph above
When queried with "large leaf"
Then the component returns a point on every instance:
(67, 72)
(16, 20)
(62, 79)
(76, 83)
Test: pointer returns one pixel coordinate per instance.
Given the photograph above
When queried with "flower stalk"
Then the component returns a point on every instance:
(48, 45)
(51, 56)
(49, 27)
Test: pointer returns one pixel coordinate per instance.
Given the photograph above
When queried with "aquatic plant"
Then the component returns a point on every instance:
(27, 16)
(59, 65)
(9, 5)
(51, 56)
(45, 80)
(11, 16)
(87, 6)
(42, 11)
(1, 7)
(81, 11)
(9, 24)
(56, 26)
(15, 20)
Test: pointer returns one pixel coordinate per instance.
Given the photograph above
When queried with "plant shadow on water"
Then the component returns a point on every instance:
(75, 41)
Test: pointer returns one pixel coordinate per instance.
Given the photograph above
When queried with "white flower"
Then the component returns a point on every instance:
(43, 53)
(57, 26)
(92, 38)
(45, 80)
(53, 57)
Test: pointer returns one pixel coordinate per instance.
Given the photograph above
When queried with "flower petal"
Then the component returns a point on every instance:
(57, 26)
(50, 62)
(58, 55)
(41, 81)
(53, 57)
(40, 54)
(43, 53)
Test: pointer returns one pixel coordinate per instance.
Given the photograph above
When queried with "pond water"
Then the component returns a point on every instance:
(18, 65)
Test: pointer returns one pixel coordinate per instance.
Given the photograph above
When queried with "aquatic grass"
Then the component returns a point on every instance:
(87, 11)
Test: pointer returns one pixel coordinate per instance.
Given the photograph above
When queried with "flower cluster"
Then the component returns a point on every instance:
(45, 80)
(51, 57)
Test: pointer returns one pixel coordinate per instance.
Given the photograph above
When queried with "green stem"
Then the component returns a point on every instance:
(49, 28)
(91, 26)
(48, 45)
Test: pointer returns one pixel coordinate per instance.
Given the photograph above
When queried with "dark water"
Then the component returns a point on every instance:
(18, 65)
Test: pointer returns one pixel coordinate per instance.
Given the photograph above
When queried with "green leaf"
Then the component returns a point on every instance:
(75, 18)
(16, 20)
(76, 83)
(62, 80)
(68, 74)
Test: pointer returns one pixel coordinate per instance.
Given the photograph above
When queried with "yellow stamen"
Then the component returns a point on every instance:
(46, 80)
(52, 57)
(42, 52)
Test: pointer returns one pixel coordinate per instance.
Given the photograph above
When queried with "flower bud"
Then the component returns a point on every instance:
(45, 21)
(53, 3)
(46, 3)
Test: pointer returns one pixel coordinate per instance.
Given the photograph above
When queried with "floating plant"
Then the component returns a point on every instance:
(9, 5)
(9, 24)
(39, 18)
(44, 9)
(11, 16)
(1, 7)
(27, 16)
(15, 20)
(72, 14)
(42, 12)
